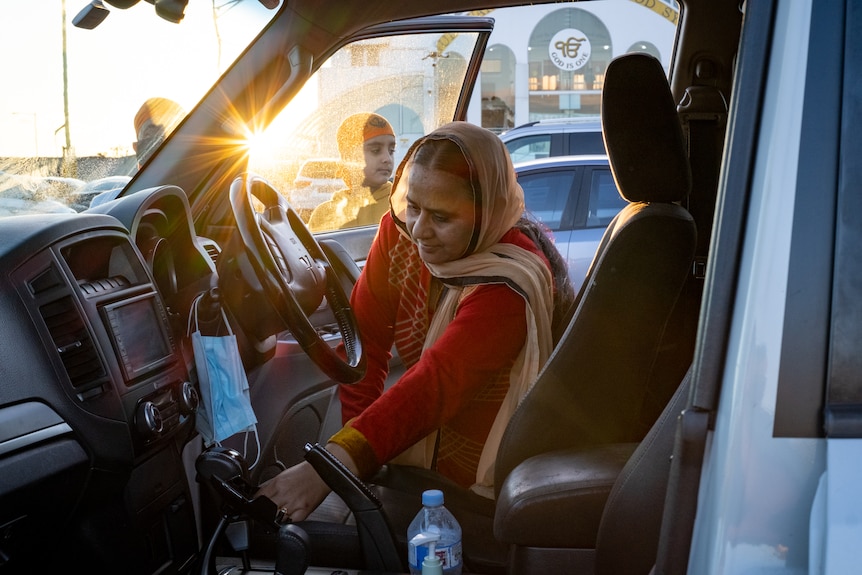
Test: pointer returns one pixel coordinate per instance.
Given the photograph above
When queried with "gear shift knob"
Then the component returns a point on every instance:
(292, 552)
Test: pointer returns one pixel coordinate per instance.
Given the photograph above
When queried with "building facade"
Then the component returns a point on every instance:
(550, 63)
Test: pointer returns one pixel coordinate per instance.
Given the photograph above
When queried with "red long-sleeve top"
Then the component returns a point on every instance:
(457, 385)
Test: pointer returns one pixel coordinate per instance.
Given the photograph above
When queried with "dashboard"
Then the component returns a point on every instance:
(96, 384)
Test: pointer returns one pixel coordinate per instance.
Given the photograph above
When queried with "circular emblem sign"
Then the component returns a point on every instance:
(569, 49)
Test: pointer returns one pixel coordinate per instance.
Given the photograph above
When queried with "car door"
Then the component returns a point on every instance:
(599, 202)
(773, 421)
(576, 200)
(418, 75)
(551, 197)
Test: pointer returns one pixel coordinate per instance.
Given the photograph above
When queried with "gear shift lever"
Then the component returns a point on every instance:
(292, 552)
(226, 471)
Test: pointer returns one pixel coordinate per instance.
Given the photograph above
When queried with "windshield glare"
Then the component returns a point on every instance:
(82, 108)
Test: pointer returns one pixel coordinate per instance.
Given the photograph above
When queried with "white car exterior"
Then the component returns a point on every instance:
(776, 496)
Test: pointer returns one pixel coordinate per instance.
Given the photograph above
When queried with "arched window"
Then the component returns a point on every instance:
(569, 52)
(498, 88)
(646, 48)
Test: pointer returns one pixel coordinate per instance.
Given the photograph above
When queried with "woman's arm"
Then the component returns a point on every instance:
(484, 338)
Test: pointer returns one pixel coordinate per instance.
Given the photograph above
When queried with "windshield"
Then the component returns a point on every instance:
(81, 108)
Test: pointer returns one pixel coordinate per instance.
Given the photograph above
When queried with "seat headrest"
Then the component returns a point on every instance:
(642, 132)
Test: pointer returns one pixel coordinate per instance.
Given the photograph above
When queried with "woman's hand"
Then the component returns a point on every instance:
(298, 490)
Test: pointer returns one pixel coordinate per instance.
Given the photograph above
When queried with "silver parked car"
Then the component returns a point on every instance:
(105, 189)
(575, 197)
(315, 183)
(554, 137)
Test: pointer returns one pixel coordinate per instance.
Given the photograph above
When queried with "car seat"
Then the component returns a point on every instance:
(577, 484)
(594, 384)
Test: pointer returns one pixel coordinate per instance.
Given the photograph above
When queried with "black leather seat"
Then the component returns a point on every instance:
(582, 419)
(621, 490)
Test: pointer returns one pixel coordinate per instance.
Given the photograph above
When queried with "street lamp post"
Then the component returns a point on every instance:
(70, 166)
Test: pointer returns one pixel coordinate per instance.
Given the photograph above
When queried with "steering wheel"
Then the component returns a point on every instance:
(295, 275)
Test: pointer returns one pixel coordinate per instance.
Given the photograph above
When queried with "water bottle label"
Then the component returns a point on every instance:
(449, 555)
(416, 554)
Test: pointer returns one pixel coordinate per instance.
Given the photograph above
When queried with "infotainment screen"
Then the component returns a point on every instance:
(138, 328)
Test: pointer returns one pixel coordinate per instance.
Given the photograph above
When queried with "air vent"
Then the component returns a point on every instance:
(213, 252)
(103, 285)
(76, 349)
(45, 281)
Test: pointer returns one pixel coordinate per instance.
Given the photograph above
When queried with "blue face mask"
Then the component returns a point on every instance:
(225, 407)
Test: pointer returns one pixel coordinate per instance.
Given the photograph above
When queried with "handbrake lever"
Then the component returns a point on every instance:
(358, 497)
(378, 544)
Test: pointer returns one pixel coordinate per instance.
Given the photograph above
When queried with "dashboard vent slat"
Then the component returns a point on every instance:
(212, 251)
(103, 285)
(45, 281)
(73, 344)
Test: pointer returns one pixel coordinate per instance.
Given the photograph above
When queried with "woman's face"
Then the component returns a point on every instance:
(440, 214)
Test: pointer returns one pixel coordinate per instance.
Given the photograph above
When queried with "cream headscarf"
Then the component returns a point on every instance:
(501, 201)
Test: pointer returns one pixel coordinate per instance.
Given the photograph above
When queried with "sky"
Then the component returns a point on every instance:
(111, 70)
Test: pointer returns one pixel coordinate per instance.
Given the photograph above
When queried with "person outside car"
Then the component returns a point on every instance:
(366, 144)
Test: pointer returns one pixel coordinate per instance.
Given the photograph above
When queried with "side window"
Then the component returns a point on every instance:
(586, 143)
(605, 200)
(333, 150)
(547, 196)
(315, 183)
(529, 148)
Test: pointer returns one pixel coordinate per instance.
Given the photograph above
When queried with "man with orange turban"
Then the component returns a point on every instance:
(366, 143)
(155, 119)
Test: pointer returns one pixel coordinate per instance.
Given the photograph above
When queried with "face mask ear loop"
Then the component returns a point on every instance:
(194, 315)
(257, 446)
(254, 430)
(224, 316)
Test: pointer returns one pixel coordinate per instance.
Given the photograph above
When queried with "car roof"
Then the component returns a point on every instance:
(555, 125)
(562, 161)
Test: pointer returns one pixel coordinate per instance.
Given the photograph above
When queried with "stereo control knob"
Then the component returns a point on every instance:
(189, 398)
(148, 419)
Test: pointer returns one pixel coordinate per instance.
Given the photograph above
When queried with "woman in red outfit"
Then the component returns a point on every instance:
(463, 288)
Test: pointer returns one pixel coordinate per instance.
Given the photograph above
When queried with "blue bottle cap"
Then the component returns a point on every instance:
(432, 498)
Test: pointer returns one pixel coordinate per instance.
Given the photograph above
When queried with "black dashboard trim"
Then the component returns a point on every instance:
(27, 424)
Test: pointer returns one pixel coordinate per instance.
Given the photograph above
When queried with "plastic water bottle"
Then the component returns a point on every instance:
(436, 524)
